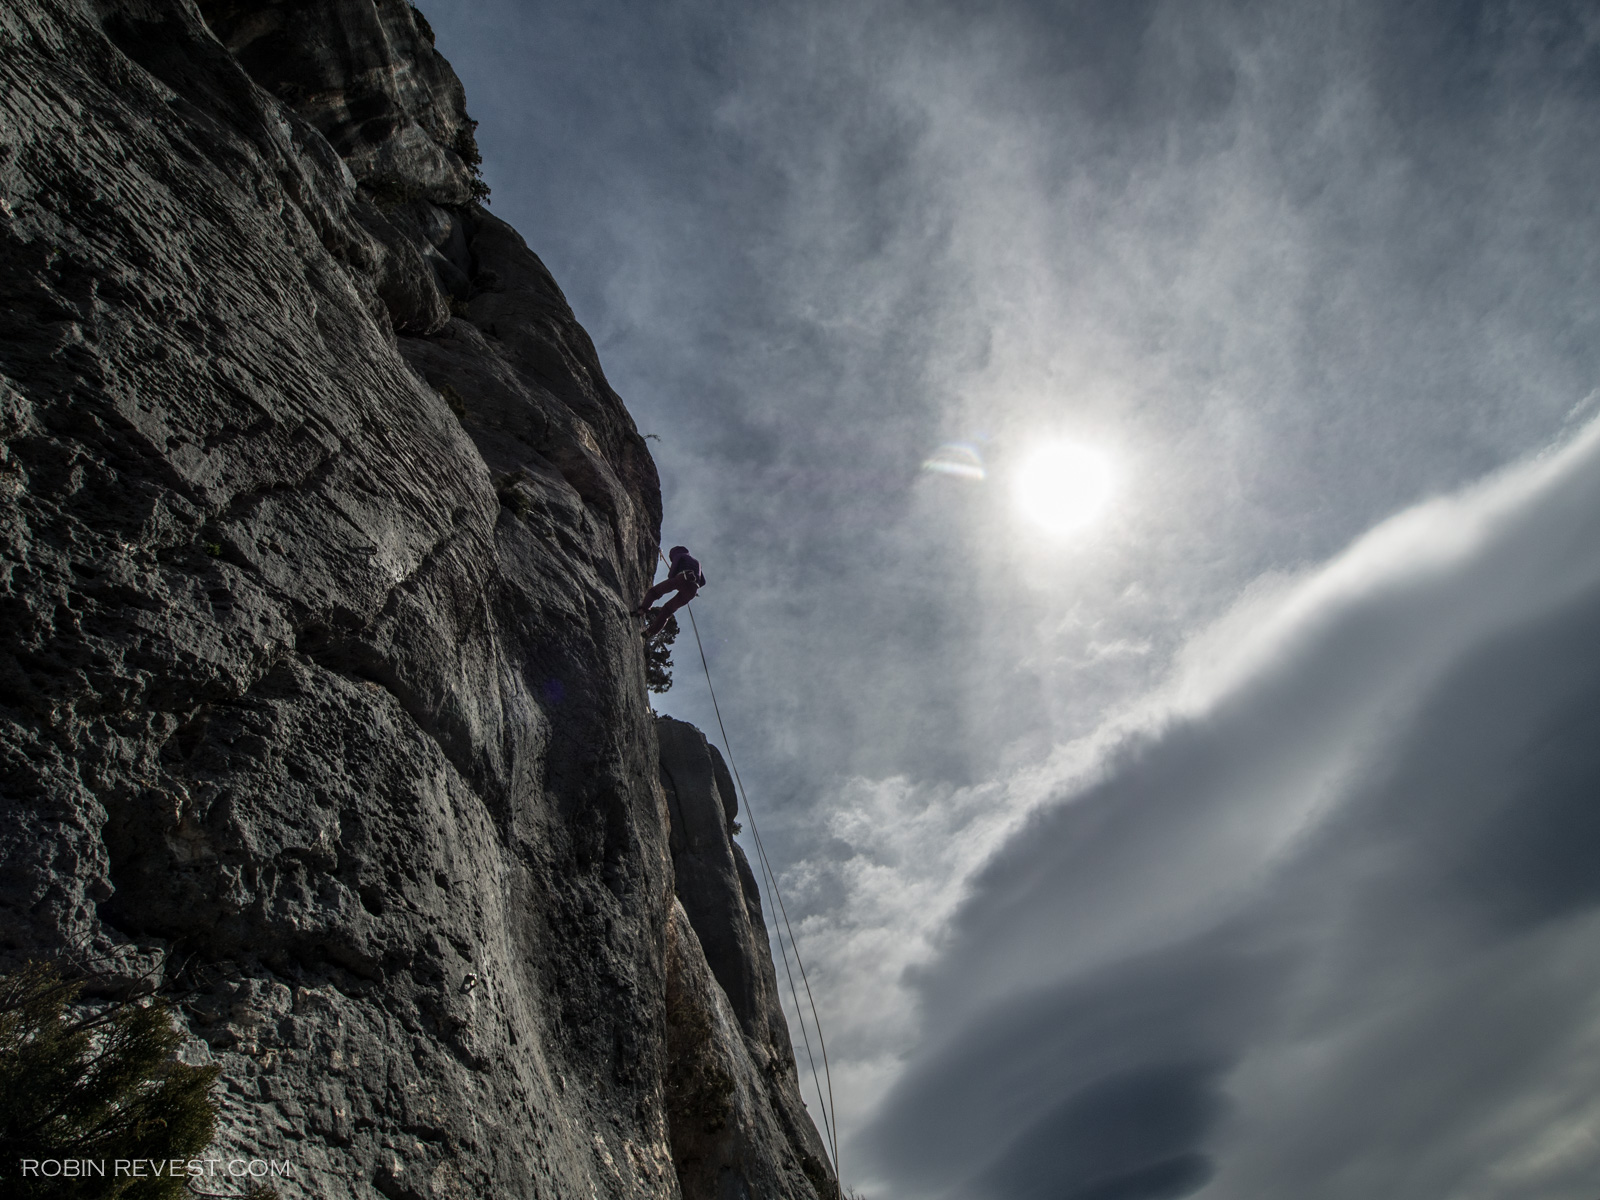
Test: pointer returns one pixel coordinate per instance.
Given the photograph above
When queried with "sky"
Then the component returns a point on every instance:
(1240, 842)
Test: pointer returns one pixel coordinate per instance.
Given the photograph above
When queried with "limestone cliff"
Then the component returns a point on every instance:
(318, 692)
(736, 1111)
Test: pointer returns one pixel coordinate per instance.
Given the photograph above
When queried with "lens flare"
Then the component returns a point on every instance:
(961, 460)
(1063, 486)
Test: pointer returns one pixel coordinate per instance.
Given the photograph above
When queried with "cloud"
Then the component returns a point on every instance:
(1321, 924)
(1296, 264)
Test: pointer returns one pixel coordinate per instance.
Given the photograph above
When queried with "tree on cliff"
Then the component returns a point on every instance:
(95, 1087)
(658, 657)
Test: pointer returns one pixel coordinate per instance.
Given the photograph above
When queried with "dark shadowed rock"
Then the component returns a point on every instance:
(319, 528)
(718, 894)
(706, 866)
(729, 1138)
(365, 74)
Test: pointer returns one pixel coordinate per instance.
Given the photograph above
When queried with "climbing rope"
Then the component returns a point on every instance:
(829, 1123)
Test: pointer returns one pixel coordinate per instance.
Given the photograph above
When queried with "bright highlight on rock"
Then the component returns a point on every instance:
(1063, 486)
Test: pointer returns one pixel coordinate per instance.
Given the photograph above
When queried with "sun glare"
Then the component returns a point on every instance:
(1063, 486)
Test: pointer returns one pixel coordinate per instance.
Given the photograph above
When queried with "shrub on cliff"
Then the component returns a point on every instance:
(658, 657)
(97, 1087)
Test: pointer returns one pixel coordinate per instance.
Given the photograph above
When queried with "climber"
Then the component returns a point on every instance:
(684, 577)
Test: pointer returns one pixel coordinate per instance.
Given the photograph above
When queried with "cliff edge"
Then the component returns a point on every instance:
(319, 698)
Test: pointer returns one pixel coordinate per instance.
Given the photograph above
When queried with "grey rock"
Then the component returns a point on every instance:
(738, 1033)
(729, 1138)
(365, 74)
(319, 528)
(710, 872)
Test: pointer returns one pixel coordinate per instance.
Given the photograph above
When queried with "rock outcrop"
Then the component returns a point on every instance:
(739, 1126)
(319, 697)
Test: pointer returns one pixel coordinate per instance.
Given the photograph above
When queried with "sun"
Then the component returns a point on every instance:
(1063, 486)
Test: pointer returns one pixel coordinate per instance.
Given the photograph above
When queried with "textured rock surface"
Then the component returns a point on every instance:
(367, 77)
(739, 1127)
(320, 529)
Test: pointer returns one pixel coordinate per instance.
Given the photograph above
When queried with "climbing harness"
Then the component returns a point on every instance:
(824, 1100)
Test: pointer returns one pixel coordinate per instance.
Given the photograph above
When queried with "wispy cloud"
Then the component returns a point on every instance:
(1323, 902)
(1296, 265)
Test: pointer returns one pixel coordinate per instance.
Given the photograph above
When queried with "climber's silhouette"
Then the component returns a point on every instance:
(684, 577)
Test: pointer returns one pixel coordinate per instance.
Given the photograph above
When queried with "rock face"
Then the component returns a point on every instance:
(739, 1127)
(319, 698)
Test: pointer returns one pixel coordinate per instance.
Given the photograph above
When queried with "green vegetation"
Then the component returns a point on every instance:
(658, 657)
(511, 496)
(466, 146)
(391, 192)
(97, 1084)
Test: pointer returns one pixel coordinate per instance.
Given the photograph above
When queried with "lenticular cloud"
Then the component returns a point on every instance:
(1323, 922)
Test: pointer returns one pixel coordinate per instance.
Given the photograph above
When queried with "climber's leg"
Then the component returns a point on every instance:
(687, 590)
(655, 593)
